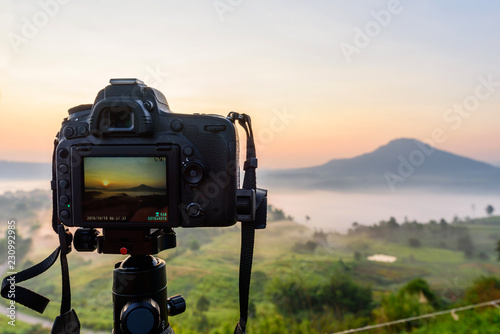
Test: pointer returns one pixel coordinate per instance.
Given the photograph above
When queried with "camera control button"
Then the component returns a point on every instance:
(64, 214)
(149, 105)
(188, 151)
(63, 169)
(68, 132)
(194, 209)
(64, 184)
(62, 153)
(176, 125)
(82, 130)
(64, 199)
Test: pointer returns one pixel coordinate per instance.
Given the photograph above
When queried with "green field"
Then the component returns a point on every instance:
(298, 278)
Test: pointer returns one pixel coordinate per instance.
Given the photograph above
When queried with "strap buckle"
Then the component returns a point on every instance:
(245, 205)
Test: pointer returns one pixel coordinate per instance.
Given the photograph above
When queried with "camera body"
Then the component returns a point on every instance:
(128, 162)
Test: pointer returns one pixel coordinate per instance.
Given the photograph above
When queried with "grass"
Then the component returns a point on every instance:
(211, 271)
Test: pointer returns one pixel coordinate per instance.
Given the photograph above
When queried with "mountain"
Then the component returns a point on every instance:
(142, 188)
(402, 164)
(10, 170)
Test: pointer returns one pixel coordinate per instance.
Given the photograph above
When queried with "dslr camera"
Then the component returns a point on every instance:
(127, 163)
(129, 166)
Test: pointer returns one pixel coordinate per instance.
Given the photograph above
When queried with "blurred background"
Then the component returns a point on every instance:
(332, 88)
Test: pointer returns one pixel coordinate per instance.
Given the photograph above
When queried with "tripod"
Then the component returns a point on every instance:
(140, 303)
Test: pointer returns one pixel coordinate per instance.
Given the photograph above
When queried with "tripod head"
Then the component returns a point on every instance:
(140, 303)
(124, 241)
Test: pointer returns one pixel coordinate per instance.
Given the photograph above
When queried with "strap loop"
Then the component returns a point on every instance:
(250, 163)
(248, 226)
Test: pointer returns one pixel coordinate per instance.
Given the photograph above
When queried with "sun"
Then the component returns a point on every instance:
(105, 182)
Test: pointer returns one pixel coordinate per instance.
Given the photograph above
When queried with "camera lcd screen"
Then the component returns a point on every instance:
(125, 189)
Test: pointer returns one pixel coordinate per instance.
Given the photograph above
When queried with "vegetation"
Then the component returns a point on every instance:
(304, 281)
(274, 214)
(21, 327)
(23, 206)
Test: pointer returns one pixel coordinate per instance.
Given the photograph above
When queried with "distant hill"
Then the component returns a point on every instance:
(143, 188)
(10, 170)
(402, 164)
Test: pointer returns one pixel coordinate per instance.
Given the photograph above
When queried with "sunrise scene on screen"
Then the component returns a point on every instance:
(125, 174)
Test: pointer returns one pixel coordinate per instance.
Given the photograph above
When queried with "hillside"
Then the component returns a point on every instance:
(402, 164)
(294, 268)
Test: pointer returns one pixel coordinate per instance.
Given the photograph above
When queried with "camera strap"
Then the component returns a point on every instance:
(67, 322)
(248, 227)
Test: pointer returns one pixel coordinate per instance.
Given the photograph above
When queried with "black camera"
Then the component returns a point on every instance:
(128, 162)
(130, 166)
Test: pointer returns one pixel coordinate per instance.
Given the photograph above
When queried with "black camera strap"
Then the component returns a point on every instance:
(248, 227)
(67, 322)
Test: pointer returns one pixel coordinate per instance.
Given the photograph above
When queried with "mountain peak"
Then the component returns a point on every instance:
(403, 141)
(405, 144)
(402, 163)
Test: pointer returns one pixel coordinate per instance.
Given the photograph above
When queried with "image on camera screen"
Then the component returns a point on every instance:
(125, 189)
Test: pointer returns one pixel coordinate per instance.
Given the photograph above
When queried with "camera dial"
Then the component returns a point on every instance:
(192, 172)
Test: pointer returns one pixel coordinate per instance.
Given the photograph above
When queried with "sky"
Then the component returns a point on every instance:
(321, 79)
(124, 172)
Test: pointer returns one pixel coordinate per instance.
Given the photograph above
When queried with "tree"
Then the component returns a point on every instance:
(310, 246)
(483, 256)
(194, 245)
(344, 296)
(252, 310)
(293, 296)
(404, 304)
(498, 249)
(414, 242)
(392, 223)
(203, 304)
(483, 289)
(490, 209)
(420, 286)
(465, 244)
(320, 237)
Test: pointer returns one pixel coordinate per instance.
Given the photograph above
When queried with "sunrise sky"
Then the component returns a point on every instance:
(124, 172)
(321, 79)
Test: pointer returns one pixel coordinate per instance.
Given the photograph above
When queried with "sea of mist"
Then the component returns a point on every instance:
(336, 211)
